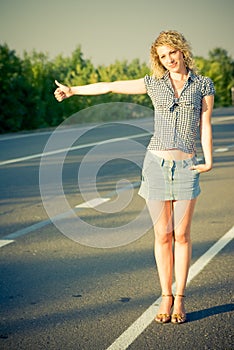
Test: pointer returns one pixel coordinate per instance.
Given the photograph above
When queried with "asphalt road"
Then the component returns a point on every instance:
(56, 293)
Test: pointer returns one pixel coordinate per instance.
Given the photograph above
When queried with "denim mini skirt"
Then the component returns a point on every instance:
(169, 179)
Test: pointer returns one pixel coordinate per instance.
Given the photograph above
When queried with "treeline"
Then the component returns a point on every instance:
(27, 85)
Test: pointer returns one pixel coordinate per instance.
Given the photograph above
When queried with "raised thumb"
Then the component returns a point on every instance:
(57, 83)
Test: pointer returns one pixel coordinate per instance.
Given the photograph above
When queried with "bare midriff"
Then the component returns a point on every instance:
(173, 154)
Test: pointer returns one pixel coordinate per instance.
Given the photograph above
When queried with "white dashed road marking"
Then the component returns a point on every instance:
(224, 149)
(93, 203)
(4, 242)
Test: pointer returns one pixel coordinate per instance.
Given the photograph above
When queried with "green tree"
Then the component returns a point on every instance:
(75, 70)
(40, 74)
(222, 73)
(27, 86)
(14, 89)
(220, 68)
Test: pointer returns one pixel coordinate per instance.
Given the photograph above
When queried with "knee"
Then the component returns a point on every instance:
(162, 236)
(182, 237)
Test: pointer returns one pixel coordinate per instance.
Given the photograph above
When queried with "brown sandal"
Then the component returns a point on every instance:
(178, 318)
(164, 318)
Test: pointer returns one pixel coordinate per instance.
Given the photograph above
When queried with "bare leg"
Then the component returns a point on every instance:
(161, 214)
(182, 217)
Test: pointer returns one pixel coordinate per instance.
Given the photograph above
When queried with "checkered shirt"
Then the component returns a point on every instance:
(176, 120)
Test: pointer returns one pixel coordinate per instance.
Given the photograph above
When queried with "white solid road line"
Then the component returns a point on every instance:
(26, 230)
(7, 137)
(128, 337)
(62, 150)
(210, 254)
(39, 155)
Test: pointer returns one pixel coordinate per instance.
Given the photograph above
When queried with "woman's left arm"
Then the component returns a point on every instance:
(206, 133)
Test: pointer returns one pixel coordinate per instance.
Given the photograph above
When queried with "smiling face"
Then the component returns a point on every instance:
(172, 59)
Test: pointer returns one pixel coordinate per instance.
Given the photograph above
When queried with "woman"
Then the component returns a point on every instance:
(183, 100)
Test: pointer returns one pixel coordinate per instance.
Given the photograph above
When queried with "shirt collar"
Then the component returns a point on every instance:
(191, 75)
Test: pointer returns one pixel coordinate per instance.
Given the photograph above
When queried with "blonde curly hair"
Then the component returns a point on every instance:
(175, 40)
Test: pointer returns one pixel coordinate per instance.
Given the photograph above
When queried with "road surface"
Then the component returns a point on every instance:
(56, 293)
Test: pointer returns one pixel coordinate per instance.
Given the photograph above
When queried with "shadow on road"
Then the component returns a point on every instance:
(215, 310)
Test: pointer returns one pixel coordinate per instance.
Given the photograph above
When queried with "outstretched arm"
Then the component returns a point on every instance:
(130, 87)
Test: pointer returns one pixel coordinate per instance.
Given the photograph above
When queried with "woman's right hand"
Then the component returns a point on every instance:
(62, 92)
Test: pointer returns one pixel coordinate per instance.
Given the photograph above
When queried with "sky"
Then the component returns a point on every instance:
(110, 30)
